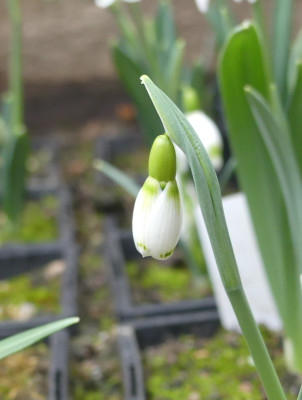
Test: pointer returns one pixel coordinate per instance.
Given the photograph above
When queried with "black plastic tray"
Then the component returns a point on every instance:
(109, 147)
(18, 259)
(119, 247)
(143, 333)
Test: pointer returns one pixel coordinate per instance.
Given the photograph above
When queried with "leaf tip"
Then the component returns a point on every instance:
(144, 79)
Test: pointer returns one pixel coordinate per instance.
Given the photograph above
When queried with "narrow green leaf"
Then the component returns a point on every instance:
(221, 20)
(164, 26)
(129, 74)
(294, 116)
(13, 173)
(280, 149)
(117, 176)
(22, 340)
(300, 394)
(281, 43)
(238, 68)
(295, 57)
(174, 69)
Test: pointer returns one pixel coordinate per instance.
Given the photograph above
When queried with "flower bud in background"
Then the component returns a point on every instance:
(202, 5)
(157, 214)
(108, 3)
(205, 128)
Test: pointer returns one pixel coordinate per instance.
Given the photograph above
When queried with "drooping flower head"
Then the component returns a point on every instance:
(157, 215)
(108, 3)
(203, 5)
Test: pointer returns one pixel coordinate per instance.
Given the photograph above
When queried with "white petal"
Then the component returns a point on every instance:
(104, 3)
(143, 206)
(202, 5)
(181, 161)
(165, 222)
(209, 135)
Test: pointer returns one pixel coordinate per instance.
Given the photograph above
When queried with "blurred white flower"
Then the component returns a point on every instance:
(202, 5)
(249, 1)
(210, 137)
(108, 3)
(157, 219)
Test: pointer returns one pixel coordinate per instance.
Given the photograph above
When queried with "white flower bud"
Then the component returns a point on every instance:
(209, 136)
(202, 5)
(157, 219)
(108, 3)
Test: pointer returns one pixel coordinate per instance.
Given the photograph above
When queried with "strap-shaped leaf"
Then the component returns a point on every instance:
(295, 57)
(278, 143)
(281, 43)
(242, 63)
(25, 339)
(129, 73)
(117, 176)
(13, 173)
(294, 114)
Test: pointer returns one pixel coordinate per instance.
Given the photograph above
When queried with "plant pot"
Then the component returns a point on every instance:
(249, 262)
(119, 248)
(143, 333)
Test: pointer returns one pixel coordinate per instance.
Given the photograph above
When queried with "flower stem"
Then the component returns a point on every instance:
(256, 346)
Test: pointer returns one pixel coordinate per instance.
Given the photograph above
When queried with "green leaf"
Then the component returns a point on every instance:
(281, 43)
(165, 27)
(117, 176)
(13, 173)
(25, 339)
(277, 140)
(295, 57)
(238, 68)
(221, 20)
(294, 116)
(129, 74)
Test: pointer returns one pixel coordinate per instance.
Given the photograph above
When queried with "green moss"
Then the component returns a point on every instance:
(218, 368)
(37, 223)
(32, 289)
(152, 281)
(24, 374)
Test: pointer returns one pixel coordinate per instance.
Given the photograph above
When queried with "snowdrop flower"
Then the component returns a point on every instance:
(210, 137)
(202, 5)
(157, 214)
(108, 3)
(250, 1)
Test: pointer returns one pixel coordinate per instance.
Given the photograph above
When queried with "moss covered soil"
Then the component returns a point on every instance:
(219, 368)
(37, 223)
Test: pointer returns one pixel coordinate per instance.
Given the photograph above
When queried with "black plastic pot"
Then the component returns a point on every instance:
(148, 332)
(120, 247)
